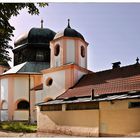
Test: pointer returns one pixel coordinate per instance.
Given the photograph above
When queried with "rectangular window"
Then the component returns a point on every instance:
(71, 106)
(39, 56)
(134, 105)
(82, 106)
(51, 108)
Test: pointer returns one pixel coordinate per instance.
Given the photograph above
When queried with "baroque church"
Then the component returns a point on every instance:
(50, 84)
(31, 55)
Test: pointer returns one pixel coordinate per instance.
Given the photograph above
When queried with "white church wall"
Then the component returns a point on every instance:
(39, 96)
(57, 61)
(21, 115)
(4, 99)
(83, 62)
(78, 75)
(21, 91)
(58, 85)
(4, 115)
(70, 51)
(4, 89)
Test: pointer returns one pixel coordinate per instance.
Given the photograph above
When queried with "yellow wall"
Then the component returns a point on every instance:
(112, 119)
(118, 119)
(75, 118)
(82, 123)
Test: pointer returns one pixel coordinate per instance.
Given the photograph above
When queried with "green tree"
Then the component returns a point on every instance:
(7, 10)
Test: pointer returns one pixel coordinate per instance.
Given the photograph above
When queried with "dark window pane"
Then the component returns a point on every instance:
(23, 105)
(134, 105)
(39, 56)
(82, 51)
(56, 50)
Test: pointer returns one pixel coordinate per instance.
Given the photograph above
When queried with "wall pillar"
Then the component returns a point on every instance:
(32, 99)
(10, 98)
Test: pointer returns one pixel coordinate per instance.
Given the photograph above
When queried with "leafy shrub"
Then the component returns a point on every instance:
(18, 127)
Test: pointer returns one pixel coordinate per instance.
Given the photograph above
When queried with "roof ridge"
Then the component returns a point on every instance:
(15, 69)
(116, 68)
(106, 82)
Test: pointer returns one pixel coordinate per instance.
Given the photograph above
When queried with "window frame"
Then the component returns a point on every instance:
(132, 105)
(23, 107)
(49, 82)
(39, 56)
(82, 51)
(57, 50)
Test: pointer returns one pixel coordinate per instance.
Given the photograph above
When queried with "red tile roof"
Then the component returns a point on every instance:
(38, 87)
(116, 80)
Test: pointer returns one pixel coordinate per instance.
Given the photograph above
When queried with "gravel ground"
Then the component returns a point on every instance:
(41, 134)
(30, 135)
(134, 135)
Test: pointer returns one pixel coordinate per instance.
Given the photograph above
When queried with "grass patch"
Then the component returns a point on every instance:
(18, 127)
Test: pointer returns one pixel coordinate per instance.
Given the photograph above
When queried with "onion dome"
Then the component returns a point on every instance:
(35, 36)
(69, 32)
(33, 46)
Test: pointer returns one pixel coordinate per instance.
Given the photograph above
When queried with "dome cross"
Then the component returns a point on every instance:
(42, 23)
(137, 60)
(68, 24)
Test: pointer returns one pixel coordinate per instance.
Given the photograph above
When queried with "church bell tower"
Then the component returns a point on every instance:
(68, 62)
(68, 47)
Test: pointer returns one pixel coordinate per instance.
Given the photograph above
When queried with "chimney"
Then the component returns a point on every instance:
(137, 60)
(92, 94)
(116, 65)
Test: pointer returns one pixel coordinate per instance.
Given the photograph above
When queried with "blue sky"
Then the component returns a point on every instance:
(111, 29)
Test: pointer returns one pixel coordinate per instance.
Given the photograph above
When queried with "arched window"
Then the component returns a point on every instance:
(49, 81)
(4, 105)
(57, 50)
(82, 51)
(39, 56)
(24, 105)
